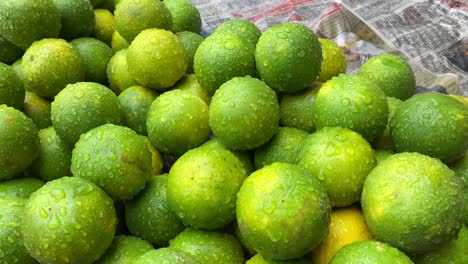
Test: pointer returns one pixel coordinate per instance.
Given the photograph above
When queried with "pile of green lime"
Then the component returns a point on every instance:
(130, 134)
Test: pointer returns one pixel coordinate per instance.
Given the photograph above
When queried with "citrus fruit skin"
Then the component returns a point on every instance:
(221, 57)
(432, 124)
(296, 109)
(244, 113)
(395, 202)
(19, 141)
(385, 140)
(243, 156)
(54, 156)
(347, 225)
(166, 256)
(190, 84)
(242, 28)
(368, 252)
(133, 17)
(341, 159)
(117, 72)
(202, 187)
(48, 65)
(96, 55)
(157, 161)
(22, 187)
(185, 16)
(9, 53)
(209, 246)
(135, 102)
(454, 251)
(118, 42)
(11, 87)
(288, 57)
(334, 61)
(105, 25)
(258, 259)
(283, 147)
(113, 157)
(65, 215)
(381, 155)
(392, 74)
(149, 216)
(282, 211)
(24, 21)
(125, 250)
(11, 242)
(190, 41)
(353, 102)
(156, 59)
(81, 107)
(77, 18)
(177, 121)
(38, 109)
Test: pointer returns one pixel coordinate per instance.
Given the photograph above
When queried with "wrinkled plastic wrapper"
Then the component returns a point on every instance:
(431, 35)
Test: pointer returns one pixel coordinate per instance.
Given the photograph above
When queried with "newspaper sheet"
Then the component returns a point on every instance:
(431, 34)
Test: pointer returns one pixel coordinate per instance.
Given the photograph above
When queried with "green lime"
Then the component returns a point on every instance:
(149, 216)
(202, 187)
(454, 251)
(96, 55)
(241, 28)
(391, 73)
(38, 109)
(395, 202)
(283, 147)
(288, 57)
(248, 248)
(135, 102)
(243, 156)
(19, 141)
(190, 84)
(77, 18)
(461, 168)
(12, 250)
(381, 154)
(68, 220)
(341, 159)
(22, 187)
(185, 16)
(16, 66)
(11, 87)
(244, 113)
(81, 107)
(353, 102)
(117, 72)
(334, 61)
(283, 211)
(50, 64)
(296, 109)
(105, 25)
(54, 156)
(433, 124)
(156, 59)
(8, 51)
(115, 158)
(209, 246)
(157, 161)
(370, 252)
(166, 256)
(177, 121)
(258, 259)
(97, 3)
(24, 21)
(125, 250)
(460, 98)
(221, 57)
(385, 140)
(107, 4)
(132, 17)
(118, 42)
(190, 41)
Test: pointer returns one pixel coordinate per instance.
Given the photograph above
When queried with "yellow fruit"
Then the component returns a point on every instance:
(346, 226)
